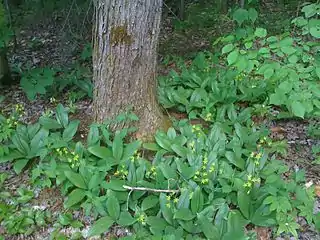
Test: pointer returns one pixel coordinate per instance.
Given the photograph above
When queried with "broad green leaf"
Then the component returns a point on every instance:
(233, 57)
(157, 222)
(315, 32)
(165, 209)
(149, 202)
(168, 171)
(253, 14)
(184, 214)
(101, 226)
(244, 202)
(62, 115)
(115, 185)
(152, 147)
(76, 179)
(236, 222)
(277, 98)
(93, 135)
(240, 15)
(117, 146)
(49, 123)
(309, 10)
(163, 141)
(113, 207)
(208, 229)
(318, 72)
(101, 152)
(70, 130)
(126, 219)
(171, 133)
(13, 155)
(130, 149)
(222, 214)
(20, 143)
(19, 165)
(180, 150)
(74, 197)
(268, 73)
(95, 180)
(288, 50)
(184, 199)
(260, 32)
(227, 48)
(237, 161)
(197, 201)
(298, 109)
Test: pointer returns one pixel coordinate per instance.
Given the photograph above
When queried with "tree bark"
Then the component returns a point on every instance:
(124, 61)
(5, 74)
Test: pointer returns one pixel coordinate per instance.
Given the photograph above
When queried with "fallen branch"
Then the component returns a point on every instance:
(150, 189)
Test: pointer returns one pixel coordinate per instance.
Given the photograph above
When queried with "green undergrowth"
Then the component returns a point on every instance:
(218, 180)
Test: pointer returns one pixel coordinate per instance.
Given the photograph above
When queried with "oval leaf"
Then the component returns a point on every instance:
(101, 226)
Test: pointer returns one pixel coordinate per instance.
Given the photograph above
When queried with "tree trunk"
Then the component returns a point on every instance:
(124, 61)
(5, 75)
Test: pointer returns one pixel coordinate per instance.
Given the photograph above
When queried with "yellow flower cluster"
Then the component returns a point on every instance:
(202, 175)
(12, 122)
(208, 117)
(135, 156)
(53, 100)
(256, 157)
(19, 109)
(265, 142)
(240, 77)
(197, 130)
(142, 219)
(169, 199)
(191, 145)
(250, 182)
(70, 156)
(122, 173)
(152, 172)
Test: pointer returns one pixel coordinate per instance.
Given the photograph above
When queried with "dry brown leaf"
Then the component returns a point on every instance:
(317, 190)
(277, 130)
(263, 233)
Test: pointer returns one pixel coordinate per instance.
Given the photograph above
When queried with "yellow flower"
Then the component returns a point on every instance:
(116, 173)
(142, 219)
(153, 169)
(168, 205)
(205, 161)
(205, 174)
(197, 173)
(168, 198)
(252, 154)
(258, 156)
(203, 167)
(257, 180)
(195, 178)
(175, 200)
(205, 180)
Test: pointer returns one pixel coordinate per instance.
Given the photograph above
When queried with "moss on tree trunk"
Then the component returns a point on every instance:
(124, 61)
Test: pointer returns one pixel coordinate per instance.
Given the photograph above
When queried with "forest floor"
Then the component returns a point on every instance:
(46, 44)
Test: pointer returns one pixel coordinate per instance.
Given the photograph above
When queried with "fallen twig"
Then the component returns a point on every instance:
(150, 189)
